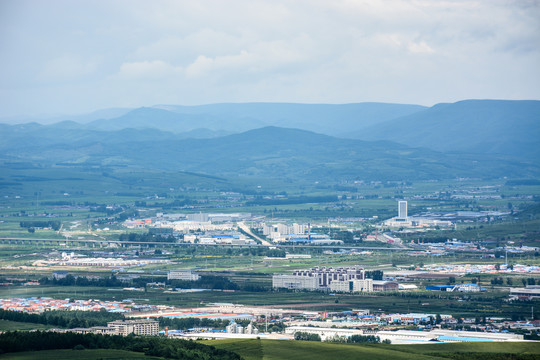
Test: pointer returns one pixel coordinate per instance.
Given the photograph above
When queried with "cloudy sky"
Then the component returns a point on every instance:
(59, 57)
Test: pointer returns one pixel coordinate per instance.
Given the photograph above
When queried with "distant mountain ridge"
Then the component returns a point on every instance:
(322, 118)
(479, 126)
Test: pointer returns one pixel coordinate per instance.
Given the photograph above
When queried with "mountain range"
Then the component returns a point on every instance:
(372, 141)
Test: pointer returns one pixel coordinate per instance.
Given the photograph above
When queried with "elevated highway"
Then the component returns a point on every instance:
(104, 243)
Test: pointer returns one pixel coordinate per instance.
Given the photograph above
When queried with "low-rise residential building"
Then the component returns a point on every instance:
(382, 285)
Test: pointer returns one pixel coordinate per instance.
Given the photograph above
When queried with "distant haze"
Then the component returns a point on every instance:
(73, 57)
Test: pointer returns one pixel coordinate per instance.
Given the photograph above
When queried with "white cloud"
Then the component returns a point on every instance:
(147, 70)
(419, 48)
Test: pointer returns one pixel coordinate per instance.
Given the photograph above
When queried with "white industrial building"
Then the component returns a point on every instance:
(183, 274)
(234, 328)
(446, 336)
(408, 336)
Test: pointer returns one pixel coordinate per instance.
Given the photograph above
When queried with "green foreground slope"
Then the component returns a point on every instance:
(77, 354)
(277, 350)
(309, 350)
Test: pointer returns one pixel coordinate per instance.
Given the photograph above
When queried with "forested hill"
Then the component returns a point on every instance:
(266, 152)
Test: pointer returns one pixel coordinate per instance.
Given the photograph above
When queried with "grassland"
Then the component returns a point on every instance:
(6, 325)
(278, 350)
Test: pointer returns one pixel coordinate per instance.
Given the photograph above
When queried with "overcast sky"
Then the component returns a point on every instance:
(59, 57)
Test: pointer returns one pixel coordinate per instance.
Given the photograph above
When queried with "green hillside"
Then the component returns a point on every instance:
(88, 354)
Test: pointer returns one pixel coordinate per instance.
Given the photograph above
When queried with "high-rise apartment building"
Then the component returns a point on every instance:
(402, 210)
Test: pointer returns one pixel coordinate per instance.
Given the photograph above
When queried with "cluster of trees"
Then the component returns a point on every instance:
(500, 281)
(134, 237)
(358, 339)
(63, 319)
(206, 282)
(259, 200)
(219, 283)
(275, 253)
(348, 237)
(55, 225)
(375, 274)
(150, 346)
(304, 336)
(107, 210)
(70, 280)
(530, 281)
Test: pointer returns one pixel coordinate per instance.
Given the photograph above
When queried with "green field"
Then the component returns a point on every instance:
(6, 325)
(106, 354)
(277, 350)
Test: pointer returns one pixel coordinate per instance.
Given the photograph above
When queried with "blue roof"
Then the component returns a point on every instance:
(439, 287)
(461, 338)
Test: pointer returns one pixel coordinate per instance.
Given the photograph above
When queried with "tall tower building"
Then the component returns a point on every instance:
(402, 210)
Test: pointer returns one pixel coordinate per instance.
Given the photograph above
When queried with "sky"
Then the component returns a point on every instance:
(74, 57)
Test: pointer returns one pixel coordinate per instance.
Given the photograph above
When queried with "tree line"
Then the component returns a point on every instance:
(70, 280)
(63, 319)
(134, 237)
(150, 346)
(55, 225)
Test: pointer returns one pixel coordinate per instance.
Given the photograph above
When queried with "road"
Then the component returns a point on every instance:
(247, 230)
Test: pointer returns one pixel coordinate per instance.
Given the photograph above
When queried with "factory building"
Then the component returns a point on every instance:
(342, 279)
